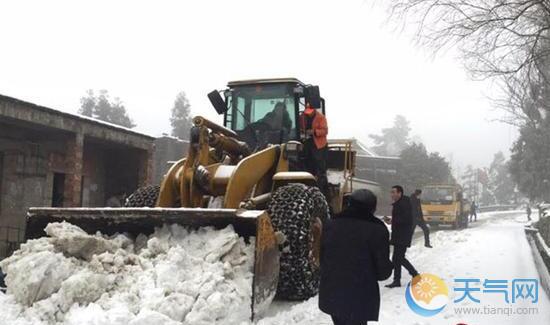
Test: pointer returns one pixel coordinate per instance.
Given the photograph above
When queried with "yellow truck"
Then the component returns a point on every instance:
(445, 205)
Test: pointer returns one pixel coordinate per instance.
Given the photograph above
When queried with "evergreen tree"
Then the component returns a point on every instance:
(101, 107)
(530, 161)
(420, 168)
(394, 139)
(181, 119)
(500, 181)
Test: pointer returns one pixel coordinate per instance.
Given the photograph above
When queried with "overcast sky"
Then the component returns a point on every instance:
(145, 52)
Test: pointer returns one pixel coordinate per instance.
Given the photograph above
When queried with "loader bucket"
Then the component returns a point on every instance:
(135, 221)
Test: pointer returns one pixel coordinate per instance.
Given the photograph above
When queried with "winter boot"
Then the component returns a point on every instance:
(394, 284)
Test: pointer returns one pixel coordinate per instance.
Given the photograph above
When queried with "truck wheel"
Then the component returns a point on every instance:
(464, 221)
(456, 224)
(297, 210)
(143, 197)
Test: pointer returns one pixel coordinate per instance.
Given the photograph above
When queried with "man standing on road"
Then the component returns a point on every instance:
(473, 211)
(355, 255)
(418, 216)
(402, 227)
(2, 283)
(528, 210)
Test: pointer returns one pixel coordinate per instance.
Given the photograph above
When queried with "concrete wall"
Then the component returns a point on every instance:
(167, 149)
(39, 147)
(28, 157)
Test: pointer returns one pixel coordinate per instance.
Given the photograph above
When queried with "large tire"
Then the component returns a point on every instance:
(143, 197)
(464, 221)
(456, 224)
(297, 211)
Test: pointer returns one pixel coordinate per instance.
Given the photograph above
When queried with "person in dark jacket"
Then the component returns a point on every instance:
(418, 217)
(402, 228)
(473, 211)
(354, 257)
(2, 283)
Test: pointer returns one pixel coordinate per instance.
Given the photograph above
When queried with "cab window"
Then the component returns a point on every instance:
(258, 104)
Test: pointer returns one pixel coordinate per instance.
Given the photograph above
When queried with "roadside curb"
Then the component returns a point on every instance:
(541, 254)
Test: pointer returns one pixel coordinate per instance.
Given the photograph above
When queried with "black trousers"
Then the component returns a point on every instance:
(425, 230)
(342, 321)
(398, 260)
(2, 283)
(472, 215)
(316, 164)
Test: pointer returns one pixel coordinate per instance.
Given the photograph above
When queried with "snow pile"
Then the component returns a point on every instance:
(174, 276)
(305, 313)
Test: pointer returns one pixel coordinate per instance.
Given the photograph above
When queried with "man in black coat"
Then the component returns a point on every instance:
(2, 283)
(354, 257)
(418, 216)
(473, 211)
(402, 228)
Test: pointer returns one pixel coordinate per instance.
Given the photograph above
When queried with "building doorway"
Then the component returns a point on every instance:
(58, 192)
(1, 177)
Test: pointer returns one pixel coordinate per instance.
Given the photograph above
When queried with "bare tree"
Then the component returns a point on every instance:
(508, 40)
(496, 37)
(526, 100)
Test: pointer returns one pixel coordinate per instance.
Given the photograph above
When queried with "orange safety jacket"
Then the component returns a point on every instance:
(319, 126)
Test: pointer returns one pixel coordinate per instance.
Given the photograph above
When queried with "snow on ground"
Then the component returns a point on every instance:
(172, 277)
(494, 247)
(204, 278)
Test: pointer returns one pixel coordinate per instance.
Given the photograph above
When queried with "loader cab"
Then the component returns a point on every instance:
(265, 111)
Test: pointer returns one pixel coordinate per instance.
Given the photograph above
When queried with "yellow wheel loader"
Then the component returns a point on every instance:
(247, 173)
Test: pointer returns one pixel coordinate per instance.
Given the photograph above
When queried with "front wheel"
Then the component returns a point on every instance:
(297, 211)
(143, 197)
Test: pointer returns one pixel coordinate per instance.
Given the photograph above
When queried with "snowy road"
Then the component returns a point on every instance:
(493, 248)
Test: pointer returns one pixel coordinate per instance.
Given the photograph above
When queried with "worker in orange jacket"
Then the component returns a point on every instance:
(314, 131)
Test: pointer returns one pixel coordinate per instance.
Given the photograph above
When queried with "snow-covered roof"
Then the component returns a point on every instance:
(364, 151)
(171, 137)
(263, 81)
(74, 116)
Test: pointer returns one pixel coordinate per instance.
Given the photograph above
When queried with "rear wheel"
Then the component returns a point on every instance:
(297, 211)
(464, 221)
(143, 197)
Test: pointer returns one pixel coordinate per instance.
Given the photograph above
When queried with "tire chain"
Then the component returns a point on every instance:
(292, 209)
(321, 208)
(143, 197)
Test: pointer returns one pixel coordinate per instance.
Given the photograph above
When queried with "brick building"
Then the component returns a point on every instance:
(374, 171)
(380, 169)
(52, 158)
